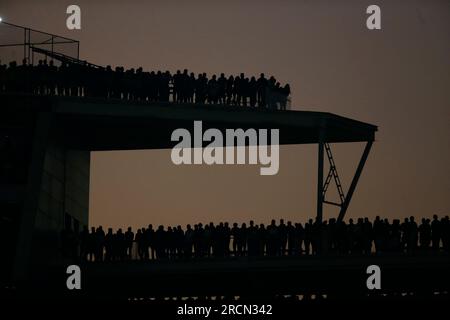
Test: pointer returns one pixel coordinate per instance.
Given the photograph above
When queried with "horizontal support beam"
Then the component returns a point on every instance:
(35, 43)
(333, 203)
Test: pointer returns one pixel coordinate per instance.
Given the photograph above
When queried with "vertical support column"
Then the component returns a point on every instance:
(320, 175)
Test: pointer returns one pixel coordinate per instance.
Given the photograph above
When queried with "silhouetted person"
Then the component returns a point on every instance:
(435, 233)
(252, 91)
(92, 243)
(226, 239)
(412, 235)
(221, 89)
(177, 84)
(213, 90)
(378, 233)
(367, 236)
(282, 238)
(405, 230)
(230, 90)
(425, 234)
(272, 239)
(308, 236)
(140, 239)
(261, 87)
(109, 245)
(149, 243)
(291, 239)
(285, 93)
(188, 241)
(252, 236)
(160, 243)
(129, 238)
(242, 240)
(235, 234)
(99, 243)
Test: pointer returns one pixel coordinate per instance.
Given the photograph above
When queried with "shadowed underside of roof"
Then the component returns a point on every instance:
(99, 124)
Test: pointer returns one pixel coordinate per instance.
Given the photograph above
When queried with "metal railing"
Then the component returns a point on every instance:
(17, 43)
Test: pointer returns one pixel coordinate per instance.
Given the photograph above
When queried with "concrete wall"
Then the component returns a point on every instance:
(63, 199)
(77, 185)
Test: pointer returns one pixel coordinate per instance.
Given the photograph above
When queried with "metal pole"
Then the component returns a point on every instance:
(24, 44)
(52, 47)
(28, 47)
(320, 176)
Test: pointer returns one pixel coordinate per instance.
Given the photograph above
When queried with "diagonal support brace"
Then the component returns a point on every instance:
(352, 188)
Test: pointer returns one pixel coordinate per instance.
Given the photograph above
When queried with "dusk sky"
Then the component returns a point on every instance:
(397, 78)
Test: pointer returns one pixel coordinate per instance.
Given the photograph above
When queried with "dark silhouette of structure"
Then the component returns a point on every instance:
(46, 171)
(53, 116)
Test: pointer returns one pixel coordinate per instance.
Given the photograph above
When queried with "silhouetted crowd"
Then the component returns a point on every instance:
(223, 240)
(86, 80)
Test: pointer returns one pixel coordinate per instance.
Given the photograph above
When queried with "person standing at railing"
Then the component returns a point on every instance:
(261, 87)
(252, 91)
(285, 92)
(222, 86)
(129, 237)
(3, 69)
